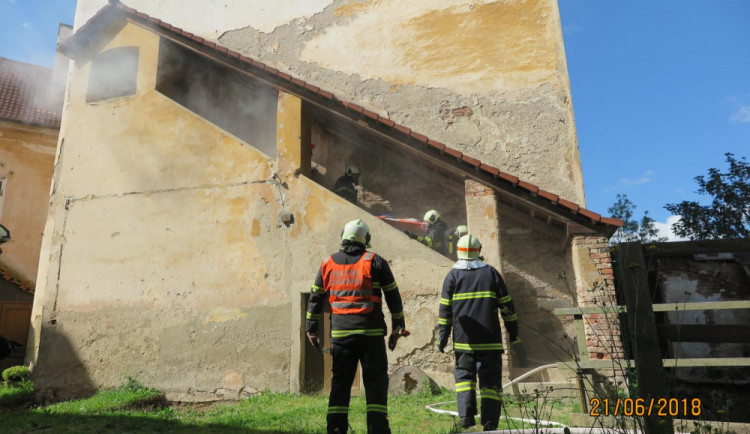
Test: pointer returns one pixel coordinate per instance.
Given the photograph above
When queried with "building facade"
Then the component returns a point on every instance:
(192, 206)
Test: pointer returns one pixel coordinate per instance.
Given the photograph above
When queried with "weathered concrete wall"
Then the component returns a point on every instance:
(165, 258)
(27, 157)
(488, 77)
(538, 269)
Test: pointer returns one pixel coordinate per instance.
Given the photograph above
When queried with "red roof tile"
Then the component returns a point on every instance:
(314, 90)
(549, 196)
(473, 161)
(387, 122)
(420, 137)
(590, 214)
(372, 115)
(28, 95)
(508, 177)
(494, 171)
(531, 187)
(402, 129)
(570, 205)
(437, 145)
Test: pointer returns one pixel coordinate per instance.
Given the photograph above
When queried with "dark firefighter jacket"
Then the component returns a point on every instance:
(368, 324)
(345, 187)
(436, 237)
(469, 304)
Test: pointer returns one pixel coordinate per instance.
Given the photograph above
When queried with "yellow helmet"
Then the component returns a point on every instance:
(432, 216)
(468, 247)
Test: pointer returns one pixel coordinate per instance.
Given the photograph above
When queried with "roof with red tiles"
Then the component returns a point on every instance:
(437, 152)
(28, 95)
(10, 275)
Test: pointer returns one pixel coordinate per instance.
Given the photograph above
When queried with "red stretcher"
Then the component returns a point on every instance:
(417, 226)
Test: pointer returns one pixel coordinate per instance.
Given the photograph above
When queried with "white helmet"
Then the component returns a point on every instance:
(468, 247)
(432, 216)
(353, 171)
(357, 231)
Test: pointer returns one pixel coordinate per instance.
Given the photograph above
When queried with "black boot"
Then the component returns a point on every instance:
(467, 422)
(490, 426)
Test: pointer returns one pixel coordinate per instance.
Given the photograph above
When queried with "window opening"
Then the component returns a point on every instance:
(114, 74)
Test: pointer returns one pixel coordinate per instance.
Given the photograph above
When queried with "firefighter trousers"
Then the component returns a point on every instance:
(489, 366)
(347, 353)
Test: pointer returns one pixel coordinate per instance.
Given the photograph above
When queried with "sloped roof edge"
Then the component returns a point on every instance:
(471, 167)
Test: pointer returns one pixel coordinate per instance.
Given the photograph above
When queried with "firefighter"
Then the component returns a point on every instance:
(355, 280)
(437, 232)
(346, 185)
(473, 292)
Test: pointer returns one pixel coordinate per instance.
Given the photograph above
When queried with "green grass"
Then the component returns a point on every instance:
(133, 408)
(12, 395)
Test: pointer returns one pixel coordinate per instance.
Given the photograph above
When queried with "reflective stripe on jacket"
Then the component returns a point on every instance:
(350, 286)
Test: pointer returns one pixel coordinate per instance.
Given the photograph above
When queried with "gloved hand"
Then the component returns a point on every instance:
(443, 341)
(314, 341)
(410, 234)
(395, 334)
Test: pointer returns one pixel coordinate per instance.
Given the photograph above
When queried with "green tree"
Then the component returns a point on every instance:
(728, 215)
(644, 230)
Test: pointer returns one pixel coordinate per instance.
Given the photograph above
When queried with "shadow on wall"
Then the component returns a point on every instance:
(61, 374)
(543, 332)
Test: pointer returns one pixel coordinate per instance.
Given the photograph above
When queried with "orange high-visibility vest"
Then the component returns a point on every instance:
(350, 286)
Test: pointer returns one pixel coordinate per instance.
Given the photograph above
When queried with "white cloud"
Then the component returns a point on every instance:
(571, 29)
(26, 25)
(742, 115)
(665, 228)
(626, 182)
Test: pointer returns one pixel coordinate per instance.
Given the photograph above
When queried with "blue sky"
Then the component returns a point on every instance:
(660, 89)
(28, 28)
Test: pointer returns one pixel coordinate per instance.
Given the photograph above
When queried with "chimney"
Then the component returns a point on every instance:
(60, 73)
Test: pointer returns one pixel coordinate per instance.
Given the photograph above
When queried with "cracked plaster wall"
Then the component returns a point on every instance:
(488, 77)
(164, 257)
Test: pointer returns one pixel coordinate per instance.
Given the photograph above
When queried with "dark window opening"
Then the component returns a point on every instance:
(238, 104)
(114, 74)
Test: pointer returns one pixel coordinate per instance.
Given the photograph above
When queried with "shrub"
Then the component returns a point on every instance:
(16, 374)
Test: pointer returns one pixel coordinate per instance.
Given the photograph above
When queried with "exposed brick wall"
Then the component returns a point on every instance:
(474, 189)
(598, 289)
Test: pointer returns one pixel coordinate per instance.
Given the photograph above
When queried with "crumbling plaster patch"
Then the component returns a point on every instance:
(526, 129)
(210, 18)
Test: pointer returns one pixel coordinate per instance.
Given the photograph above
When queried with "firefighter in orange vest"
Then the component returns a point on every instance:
(355, 281)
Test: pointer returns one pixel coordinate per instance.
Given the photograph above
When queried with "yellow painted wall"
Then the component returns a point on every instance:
(27, 156)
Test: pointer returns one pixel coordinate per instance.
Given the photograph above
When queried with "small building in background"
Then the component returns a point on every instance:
(30, 112)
